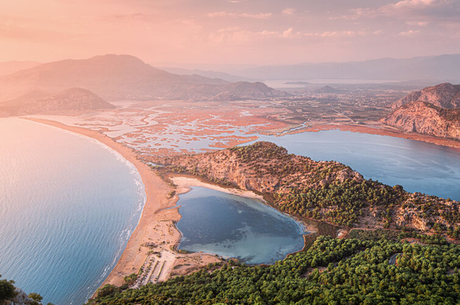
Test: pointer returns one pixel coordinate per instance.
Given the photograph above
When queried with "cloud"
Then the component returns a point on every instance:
(240, 15)
(237, 35)
(288, 11)
(288, 33)
(409, 33)
(438, 10)
(417, 23)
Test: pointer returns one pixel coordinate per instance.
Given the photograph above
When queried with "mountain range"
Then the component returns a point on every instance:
(124, 77)
(443, 68)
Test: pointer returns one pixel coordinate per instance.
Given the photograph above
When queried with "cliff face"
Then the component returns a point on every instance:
(327, 191)
(432, 111)
(260, 169)
(443, 95)
(425, 118)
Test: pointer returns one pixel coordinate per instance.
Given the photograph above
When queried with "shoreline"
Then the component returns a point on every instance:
(383, 130)
(184, 185)
(155, 223)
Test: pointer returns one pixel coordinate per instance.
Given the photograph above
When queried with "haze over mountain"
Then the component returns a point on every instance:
(68, 101)
(433, 68)
(9, 67)
(123, 77)
(206, 73)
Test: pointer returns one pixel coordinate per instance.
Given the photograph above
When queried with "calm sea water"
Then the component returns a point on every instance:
(417, 166)
(233, 226)
(67, 208)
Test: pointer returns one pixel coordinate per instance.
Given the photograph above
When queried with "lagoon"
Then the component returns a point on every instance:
(234, 226)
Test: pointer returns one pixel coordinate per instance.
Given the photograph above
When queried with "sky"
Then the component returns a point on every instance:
(230, 32)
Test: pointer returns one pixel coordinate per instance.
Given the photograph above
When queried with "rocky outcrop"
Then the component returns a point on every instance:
(259, 169)
(432, 111)
(70, 100)
(425, 118)
(325, 190)
(443, 95)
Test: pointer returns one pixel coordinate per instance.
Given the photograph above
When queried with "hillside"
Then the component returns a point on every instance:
(39, 102)
(328, 191)
(121, 77)
(443, 95)
(433, 111)
(11, 295)
(331, 271)
(425, 118)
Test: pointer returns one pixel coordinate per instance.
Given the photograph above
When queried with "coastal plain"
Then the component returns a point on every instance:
(143, 131)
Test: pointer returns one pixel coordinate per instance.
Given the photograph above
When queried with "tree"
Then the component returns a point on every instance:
(7, 290)
(36, 297)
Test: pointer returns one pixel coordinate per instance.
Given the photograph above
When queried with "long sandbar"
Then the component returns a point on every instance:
(156, 222)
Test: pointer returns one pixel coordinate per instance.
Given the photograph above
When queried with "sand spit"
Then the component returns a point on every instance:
(154, 238)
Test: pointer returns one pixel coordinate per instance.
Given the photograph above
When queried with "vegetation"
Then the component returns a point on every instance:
(7, 289)
(332, 271)
(326, 191)
(8, 292)
(451, 115)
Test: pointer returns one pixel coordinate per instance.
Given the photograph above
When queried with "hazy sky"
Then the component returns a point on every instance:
(228, 31)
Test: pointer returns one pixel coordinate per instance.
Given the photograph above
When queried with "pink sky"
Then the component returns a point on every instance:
(228, 31)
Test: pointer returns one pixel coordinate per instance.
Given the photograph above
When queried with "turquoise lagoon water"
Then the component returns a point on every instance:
(417, 166)
(67, 208)
(234, 226)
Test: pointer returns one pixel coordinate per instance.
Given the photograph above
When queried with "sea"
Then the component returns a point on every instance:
(68, 206)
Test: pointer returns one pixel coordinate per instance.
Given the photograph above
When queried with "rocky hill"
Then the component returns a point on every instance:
(432, 111)
(443, 95)
(327, 191)
(67, 101)
(328, 89)
(425, 118)
(122, 77)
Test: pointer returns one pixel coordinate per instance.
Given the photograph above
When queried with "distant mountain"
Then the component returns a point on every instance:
(433, 68)
(328, 89)
(206, 73)
(443, 95)
(433, 111)
(14, 66)
(39, 102)
(113, 77)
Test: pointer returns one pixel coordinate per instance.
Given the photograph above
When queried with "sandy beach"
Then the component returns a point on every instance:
(151, 245)
(184, 185)
(154, 226)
